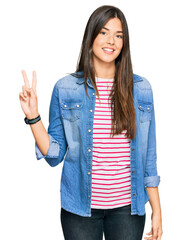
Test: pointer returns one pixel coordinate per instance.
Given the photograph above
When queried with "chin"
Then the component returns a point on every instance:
(108, 60)
(104, 59)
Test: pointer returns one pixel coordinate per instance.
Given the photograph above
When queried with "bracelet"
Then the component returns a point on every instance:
(33, 120)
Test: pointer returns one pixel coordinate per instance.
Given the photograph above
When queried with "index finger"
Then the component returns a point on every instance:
(25, 79)
(34, 80)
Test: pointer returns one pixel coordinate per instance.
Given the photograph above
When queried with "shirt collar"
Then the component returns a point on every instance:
(136, 78)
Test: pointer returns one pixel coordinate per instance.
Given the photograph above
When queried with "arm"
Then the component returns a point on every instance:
(152, 180)
(57, 140)
(41, 136)
(154, 199)
(50, 145)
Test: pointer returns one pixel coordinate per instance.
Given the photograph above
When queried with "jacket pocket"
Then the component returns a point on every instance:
(71, 110)
(145, 112)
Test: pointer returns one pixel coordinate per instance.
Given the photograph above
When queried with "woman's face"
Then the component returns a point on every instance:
(109, 42)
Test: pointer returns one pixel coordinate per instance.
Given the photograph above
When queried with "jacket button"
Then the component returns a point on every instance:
(89, 150)
(90, 110)
(134, 194)
(88, 173)
(133, 171)
(89, 130)
(93, 93)
(148, 108)
(89, 196)
(65, 105)
(77, 105)
(133, 149)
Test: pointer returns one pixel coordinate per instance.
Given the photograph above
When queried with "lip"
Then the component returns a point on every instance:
(107, 51)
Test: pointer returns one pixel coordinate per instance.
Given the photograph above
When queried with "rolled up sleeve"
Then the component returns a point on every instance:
(151, 178)
(53, 151)
(152, 181)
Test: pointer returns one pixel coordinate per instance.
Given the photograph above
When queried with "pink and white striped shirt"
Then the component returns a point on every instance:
(111, 179)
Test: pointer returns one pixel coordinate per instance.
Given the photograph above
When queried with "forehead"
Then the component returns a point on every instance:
(114, 24)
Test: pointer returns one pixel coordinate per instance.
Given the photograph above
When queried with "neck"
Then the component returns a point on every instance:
(104, 70)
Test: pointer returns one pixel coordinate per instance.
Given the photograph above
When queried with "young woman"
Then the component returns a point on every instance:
(102, 125)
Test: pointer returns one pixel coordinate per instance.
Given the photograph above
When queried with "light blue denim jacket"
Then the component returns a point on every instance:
(70, 131)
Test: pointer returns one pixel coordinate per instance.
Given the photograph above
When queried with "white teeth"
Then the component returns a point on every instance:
(109, 50)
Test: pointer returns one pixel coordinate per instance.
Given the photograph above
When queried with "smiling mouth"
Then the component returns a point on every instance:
(108, 50)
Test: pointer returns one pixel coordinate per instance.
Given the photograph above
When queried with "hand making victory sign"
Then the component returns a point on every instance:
(28, 96)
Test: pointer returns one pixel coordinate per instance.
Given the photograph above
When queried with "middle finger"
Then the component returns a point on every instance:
(25, 79)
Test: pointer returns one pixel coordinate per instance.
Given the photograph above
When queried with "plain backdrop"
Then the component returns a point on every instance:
(46, 36)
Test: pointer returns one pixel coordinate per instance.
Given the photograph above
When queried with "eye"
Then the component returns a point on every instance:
(102, 33)
(119, 36)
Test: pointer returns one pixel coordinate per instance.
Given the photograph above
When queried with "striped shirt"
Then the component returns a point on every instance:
(111, 179)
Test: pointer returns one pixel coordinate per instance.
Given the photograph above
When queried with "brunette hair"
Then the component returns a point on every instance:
(121, 93)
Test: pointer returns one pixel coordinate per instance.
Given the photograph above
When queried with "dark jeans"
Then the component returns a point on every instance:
(116, 224)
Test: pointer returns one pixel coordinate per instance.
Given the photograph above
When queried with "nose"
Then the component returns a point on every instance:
(110, 39)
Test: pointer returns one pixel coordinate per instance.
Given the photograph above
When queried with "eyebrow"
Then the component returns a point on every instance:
(116, 31)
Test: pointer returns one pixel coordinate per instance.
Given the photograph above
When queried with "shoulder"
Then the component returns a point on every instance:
(66, 81)
(142, 82)
(142, 88)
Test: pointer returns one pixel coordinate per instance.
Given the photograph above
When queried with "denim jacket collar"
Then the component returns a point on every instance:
(136, 78)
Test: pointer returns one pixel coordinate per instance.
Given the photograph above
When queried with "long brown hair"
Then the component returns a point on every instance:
(121, 93)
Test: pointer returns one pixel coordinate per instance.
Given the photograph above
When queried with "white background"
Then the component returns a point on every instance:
(46, 36)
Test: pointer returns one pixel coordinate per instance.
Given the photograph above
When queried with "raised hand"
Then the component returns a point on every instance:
(28, 96)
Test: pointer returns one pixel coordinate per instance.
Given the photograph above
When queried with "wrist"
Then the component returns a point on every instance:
(156, 211)
(32, 115)
(32, 120)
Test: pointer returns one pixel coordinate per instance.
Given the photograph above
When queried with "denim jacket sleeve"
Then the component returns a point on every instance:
(151, 178)
(58, 143)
